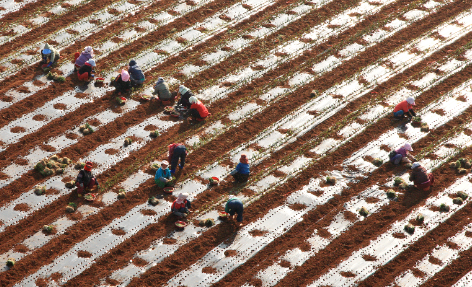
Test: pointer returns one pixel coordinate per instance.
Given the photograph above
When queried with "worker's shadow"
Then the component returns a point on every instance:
(414, 196)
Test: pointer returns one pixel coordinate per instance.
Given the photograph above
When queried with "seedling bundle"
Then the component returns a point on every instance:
(53, 165)
(39, 189)
(86, 129)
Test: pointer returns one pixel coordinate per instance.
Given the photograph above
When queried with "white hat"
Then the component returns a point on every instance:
(410, 100)
(415, 165)
(407, 146)
(182, 197)
(92, 62)
(88, 50)
(193, 100)
(182, 89)
(165, 162)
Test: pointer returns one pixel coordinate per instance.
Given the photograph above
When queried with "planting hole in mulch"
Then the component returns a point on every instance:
(81, 95)
(21, 248)
(112, 282)
(75, 216)
(118, 231)
(53, 191)
(247, 192)
(94, 122)
(368, 257)
(434, 260)
(60, 106)
(297, 206)
(169, 241)
(462, 99)
(323, 233)
(347, 274)
(399, 235)
(21, 207)
(16, 130)
(41, 282)
(351, 216)
(439, 112)
(385, 148)
(209, 270)
(140, 262)
(452, 245)
(148, 212)
(21, 161)
(3, 175)
(284, 263)
(150, 128)
(48, 148)
(71, 136)
(468, 234)
(84, 254)
(111, 151)
(23, 89)
(55, 276)
(319, 192)
(372, 200)
(39, 118)
(418, 273)
(231, 253)
(257, 232)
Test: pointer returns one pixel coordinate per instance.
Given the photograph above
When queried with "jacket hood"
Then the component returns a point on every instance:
(132, 63)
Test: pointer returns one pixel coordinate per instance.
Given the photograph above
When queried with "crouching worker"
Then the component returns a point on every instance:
(181, 205)
(161, 89)
(85, 180)
(49, 56)
(136, 75)
(177, 151)
(235, 206)
(185, 95)
(122, 83)
(420, 177)
(85, 73)
(197, 110)
(404, 108)
(82, 58)
(163, 177)
(402, 155)
(241, 173)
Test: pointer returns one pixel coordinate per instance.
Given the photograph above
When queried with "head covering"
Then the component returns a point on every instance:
(88, 50)
(193, 100)
(165, 162)
(415, 165)
(407, 146)
(243, 159)
(410, 100)
(183, 89)
(46, 49)
(124, 75)
(160, 81)
(182, 197)
(91, 62)
(88, 166)
(132, 63)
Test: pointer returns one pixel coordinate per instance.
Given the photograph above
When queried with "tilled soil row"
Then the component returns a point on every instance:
(24, 13)
(197, 204)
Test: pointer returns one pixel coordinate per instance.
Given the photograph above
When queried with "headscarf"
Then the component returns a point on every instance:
(415, 165)
(411, 101)
(91, 62)
(47, 49)
(193, 100)
(132, 63)
(160, 81)
(88, 166)
(124, 75)
(183, 89)
(407, 147)
(165, 162)
(88, 50)
(243, 159)
(181, 197)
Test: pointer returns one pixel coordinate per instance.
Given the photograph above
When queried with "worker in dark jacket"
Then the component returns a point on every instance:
(161, 89)
(241, 173)
(420, 177)
(122, 82)
(85, 179)
(86, 72)
(136, 75)
(185, 95)
(404, 108)
(197, 111)
(177, 151)
(49, 56)
(235, 206)
(181, 205)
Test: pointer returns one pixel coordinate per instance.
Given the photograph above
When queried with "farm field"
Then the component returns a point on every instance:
(305, 89)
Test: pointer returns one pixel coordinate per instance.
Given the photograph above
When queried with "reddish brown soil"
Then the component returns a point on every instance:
(148, 212)
(39, 117)
(139, 262)
(118, 232)
(18, 130)
(84, 254)
(21, 248)
(209, 270)
(21, 207)
(257, 232)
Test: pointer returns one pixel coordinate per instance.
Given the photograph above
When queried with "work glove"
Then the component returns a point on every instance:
(49, 64)
(172, 171)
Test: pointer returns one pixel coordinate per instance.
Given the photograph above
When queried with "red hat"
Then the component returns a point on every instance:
(243, 159)
(88, 166)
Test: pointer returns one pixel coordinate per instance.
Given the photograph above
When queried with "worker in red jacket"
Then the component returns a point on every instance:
(197, 110)
(404, 108)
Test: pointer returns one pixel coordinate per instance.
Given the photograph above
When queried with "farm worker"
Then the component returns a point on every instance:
(161, 89)
(181, 205)
(85, 179)
(49, 55)
(85, 73)
(136, 75)
(185, 95)
(404, 108)
(82, 58)
(163, 177)
(197, 110)
(420, 177)
(402, 155)
(177, 151)
(241, 173)
(122, 83)
(235, 206)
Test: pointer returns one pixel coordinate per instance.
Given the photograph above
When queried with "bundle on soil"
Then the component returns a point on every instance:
(53, 165)
(86, 129)
(39, 189)
(153, 201)
(11, 262)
